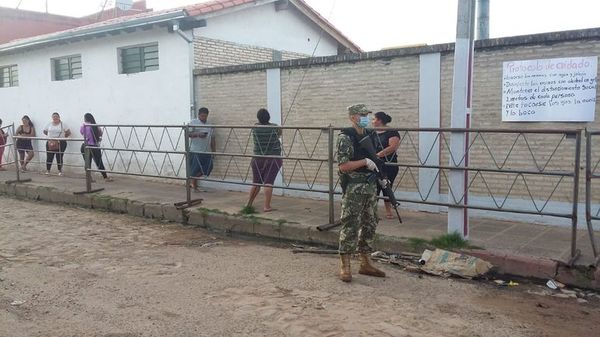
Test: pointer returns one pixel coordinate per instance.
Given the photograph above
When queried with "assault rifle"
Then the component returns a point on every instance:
(366, 143)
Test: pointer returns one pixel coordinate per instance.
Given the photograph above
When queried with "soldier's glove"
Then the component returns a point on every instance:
(371, 166)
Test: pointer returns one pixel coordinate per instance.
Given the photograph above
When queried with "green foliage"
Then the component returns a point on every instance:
(447, 241)
(248, 210)
(450, 241)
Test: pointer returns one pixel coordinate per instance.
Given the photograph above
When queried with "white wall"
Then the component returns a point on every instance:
(155, 97)
(263, 26)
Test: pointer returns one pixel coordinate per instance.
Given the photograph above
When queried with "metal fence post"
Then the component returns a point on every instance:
(588, 191)
(87, 166)
(574, 251)
(16, 153)
(188, 169)
(330, 167)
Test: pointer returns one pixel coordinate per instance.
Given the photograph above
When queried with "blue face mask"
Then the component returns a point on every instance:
(363, 122)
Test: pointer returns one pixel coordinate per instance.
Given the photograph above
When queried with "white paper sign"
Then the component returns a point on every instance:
(555, 90)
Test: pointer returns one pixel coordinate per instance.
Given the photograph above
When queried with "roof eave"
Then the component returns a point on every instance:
(12, 47)
(233, 9)
(326, 26)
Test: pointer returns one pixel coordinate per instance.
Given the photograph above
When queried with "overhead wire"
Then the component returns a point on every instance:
(308, 67)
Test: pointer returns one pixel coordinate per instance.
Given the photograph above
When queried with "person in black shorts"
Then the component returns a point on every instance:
(25, 146)
(387, 142)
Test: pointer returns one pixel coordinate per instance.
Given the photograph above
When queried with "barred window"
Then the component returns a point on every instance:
(9, 76)
(66, 68)
(138, 59)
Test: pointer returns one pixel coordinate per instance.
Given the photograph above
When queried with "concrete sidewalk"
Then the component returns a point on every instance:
(303, 215)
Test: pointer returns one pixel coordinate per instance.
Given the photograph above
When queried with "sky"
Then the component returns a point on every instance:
(380, 24)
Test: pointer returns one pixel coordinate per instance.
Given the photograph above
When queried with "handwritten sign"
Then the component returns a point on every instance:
(555, 90)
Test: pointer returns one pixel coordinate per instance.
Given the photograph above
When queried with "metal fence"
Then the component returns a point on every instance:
(523, 172)
(6, 145)
(165, 152)
(69, 158)
(592, 173)
(531, 172)
(9, 154)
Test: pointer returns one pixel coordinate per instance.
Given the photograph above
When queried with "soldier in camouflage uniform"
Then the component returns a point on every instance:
(359, 201)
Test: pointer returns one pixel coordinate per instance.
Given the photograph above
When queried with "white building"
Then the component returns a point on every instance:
(139, 69)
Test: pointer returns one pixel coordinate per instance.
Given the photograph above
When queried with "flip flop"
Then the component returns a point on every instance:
(267, 210)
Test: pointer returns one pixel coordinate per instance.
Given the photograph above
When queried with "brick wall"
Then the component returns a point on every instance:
(240, 109)
(218, 53)
(388, 80)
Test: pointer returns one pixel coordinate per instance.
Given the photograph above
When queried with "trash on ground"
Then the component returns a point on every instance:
(407, 260)
(554, 285)
(17, 302)
(314, 250)
(211, 244)
(503, 283)
(444, 263)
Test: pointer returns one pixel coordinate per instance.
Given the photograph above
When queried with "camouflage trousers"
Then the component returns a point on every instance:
(359, 222)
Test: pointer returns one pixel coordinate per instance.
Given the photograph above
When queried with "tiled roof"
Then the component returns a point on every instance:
(98, 25)
(214, 6)
(217, 5)
(191, 10)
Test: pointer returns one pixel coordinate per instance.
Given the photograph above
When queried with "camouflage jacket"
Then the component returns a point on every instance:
(345, 151)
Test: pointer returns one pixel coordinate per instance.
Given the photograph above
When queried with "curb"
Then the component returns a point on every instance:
(218, 221)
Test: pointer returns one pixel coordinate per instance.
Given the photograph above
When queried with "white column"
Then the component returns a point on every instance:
(274, 107)
(458, 217)
(429, 117)
(274, 95)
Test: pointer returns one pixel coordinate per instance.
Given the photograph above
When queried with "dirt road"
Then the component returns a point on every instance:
(75, 272)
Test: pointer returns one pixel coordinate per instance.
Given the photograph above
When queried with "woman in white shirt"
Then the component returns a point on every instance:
(55, 147)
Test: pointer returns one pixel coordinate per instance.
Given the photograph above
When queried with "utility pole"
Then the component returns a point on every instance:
(462, 87)
(483, 19)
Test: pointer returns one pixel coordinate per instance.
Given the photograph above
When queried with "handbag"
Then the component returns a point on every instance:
(53, 144)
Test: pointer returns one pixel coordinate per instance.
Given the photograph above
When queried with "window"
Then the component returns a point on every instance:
(9, 76)
(138, 59)
(66, 68)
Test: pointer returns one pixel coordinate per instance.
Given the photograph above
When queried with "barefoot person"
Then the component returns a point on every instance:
(359, 201)
(25, 146)
(201, 140)
(264, 170)
(387, 142)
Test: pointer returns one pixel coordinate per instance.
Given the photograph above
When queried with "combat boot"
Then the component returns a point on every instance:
(345, 269)
(366, 268)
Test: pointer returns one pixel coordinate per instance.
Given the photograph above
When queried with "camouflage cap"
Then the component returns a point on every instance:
(358, 109)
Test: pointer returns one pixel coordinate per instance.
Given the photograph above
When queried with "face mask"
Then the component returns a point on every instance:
(363, 122)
